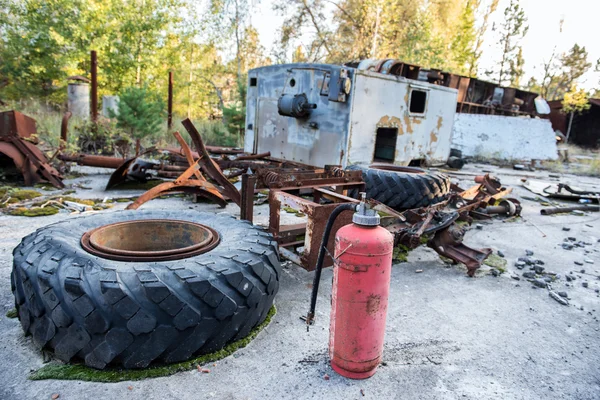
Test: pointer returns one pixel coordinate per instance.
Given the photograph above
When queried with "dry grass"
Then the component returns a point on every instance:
(581, 162)
(49, 120)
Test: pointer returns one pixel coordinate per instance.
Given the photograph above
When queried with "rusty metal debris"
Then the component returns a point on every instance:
(312, 193)
(17, 142)
(475, 96)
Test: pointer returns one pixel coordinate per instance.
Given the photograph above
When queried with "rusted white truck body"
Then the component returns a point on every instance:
(350, 116)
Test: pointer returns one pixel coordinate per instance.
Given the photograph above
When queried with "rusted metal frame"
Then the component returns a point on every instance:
(247, 203)
(209, 166)
(317, 215)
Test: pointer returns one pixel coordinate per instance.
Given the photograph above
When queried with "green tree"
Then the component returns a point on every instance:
(513, 29)
(574, 102)
(141, 112)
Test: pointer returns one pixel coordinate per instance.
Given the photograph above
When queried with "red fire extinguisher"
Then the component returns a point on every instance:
(359, 298)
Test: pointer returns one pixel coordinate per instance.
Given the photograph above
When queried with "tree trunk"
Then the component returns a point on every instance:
(237, 42)
(569, 128)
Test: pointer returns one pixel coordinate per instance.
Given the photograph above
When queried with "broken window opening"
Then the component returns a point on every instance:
(252, 81)
(385, 145)
(418, 101)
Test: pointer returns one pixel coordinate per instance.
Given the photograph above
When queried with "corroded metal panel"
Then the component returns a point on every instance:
(383, 101)
(318, 139)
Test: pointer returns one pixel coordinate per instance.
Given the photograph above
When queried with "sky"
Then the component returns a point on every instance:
(580, 17)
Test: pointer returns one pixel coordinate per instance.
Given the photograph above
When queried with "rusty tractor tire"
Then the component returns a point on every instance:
(132, 314)
(403, 188)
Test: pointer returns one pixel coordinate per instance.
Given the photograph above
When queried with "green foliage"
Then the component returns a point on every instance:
(12, 313)
(141, 112)
(235, 115)
(575, 101)
(95, 138)
(83, 373)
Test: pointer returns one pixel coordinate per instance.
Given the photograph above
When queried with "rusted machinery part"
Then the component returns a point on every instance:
(209, 166)
(506, 207)
(432, 221)
(491, 184)
(448, 243)
(150, 240)
(20, 161)
(36, 166)
(64, 130)
(193, 186)
(134, 168)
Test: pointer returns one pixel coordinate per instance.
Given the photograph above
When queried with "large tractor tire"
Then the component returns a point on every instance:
(131, 314)
(403, 188)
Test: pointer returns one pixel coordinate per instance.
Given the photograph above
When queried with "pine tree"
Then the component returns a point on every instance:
(141, 112)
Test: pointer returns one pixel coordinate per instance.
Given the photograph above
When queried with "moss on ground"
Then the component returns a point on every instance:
(12, 313)
(495, 261)
(33, 211)
(83, 373)
(400, 253)
(19, 194)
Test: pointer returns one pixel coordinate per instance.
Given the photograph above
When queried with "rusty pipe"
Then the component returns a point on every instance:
(558, 210)
(64, 130)
(254, 156)
(93, 161)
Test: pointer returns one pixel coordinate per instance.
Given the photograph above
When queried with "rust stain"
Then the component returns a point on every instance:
(373, 304)
(408, 124)
(433, 137)
(387, 121)
(439, 123)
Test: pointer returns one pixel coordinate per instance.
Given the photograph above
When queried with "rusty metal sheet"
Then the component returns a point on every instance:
(14, 123)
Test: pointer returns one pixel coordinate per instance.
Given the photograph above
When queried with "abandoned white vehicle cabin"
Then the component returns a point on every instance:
(321, 114)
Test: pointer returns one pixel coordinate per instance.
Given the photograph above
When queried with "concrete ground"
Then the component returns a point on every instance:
(448, 336)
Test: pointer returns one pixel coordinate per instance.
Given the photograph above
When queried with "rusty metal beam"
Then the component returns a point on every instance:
(94, 94)
(209, 166)
(170, 102)
(247, 206)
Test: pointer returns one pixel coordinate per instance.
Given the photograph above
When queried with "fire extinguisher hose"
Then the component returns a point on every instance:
(319, 267)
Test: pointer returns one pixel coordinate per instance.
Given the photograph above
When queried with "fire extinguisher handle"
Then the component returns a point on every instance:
(310, 316)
